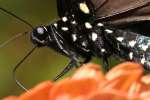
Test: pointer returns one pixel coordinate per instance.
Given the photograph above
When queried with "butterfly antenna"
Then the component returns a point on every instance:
(18, 65)
(12, 39)
(17, 17)
(18, 35)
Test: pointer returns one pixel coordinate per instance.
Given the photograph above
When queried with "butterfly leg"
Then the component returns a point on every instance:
(106, 64)
(71, 64)
(66, 49)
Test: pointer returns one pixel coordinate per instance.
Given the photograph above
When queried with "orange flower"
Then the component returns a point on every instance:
(123, 82)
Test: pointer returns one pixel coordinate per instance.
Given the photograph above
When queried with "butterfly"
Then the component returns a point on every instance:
(99, 28)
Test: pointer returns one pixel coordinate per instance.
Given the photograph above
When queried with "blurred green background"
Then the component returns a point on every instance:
(43, 64)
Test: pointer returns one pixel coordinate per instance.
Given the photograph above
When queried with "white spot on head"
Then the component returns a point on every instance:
(84, 8)
(131, 55)
(65, 28)
(74, 36)
(103, 50)
(132, 43)
(94, 36)
(64, 19)
(88, 25)
(143, 60)
(108, 31)
(120, 39)
(40, 30)
(100, 24)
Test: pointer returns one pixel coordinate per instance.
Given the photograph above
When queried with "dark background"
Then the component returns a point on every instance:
(44, 64)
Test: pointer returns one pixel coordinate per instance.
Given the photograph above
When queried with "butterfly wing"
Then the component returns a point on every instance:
(122, 11)
(133, 15)
(63, 7)
(80, 10)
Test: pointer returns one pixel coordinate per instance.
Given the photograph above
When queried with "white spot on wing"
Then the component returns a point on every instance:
(100, 24)
(108, 31)
(84, 8)
(94, 36)
(88, 25)
(120, 39)
(64, 19)
(132, 43)
(65, 28)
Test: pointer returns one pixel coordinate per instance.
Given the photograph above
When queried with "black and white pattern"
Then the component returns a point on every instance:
(79, 34)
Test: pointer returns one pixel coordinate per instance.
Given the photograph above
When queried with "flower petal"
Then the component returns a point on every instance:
(123, 82)
(89, 71)
(122, 76)
(145, 87)
(81, 84)
(73, 88)
(112, 94)
(145, 81)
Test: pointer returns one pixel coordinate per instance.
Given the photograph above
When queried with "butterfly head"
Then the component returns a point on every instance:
(39, 36)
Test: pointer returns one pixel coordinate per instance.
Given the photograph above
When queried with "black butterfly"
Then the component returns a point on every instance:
(98, 28)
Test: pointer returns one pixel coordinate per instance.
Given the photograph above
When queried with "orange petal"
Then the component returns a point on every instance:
(123, 82)
(40, 92)
(145, 95)
(81, 84)
(122, 76)
(145, 81)
(145, 89)
(89, 71)
(70, 88)
(112, 94)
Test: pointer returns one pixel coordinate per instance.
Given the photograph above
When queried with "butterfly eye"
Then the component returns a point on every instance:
(40, 30)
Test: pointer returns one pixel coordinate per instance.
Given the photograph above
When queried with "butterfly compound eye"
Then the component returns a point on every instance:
(39, 36)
